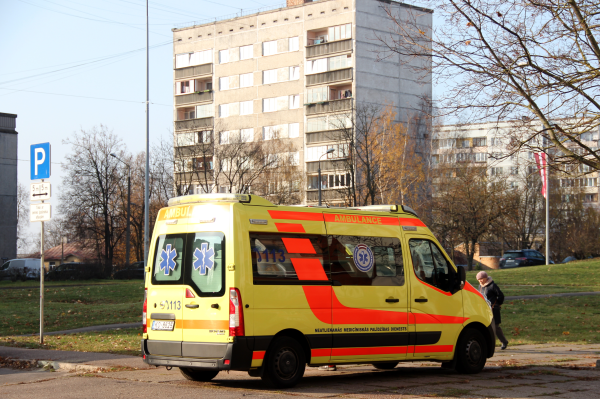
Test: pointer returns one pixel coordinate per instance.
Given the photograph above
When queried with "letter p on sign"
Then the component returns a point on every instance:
(40, 161)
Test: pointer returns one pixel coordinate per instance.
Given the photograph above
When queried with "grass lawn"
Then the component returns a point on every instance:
(581, 276)
(552, 320)
(104, 302)
(123, 342)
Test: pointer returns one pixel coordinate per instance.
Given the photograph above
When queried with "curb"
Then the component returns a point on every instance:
(62, 366)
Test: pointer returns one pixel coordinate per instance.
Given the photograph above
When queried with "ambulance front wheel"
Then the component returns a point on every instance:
(198, 375)
(471, 351)
(284, 363)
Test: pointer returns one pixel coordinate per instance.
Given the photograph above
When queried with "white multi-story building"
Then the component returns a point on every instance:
(293, 71)
(489, 145)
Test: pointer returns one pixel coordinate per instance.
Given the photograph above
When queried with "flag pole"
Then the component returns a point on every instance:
(547, 213)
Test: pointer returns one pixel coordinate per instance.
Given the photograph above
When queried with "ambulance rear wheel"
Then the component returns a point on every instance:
(285, 363)
(198, 375)
(471, 352)
(385, 366)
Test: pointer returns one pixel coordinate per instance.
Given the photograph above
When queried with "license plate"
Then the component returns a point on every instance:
(160, 325)
(510, 261)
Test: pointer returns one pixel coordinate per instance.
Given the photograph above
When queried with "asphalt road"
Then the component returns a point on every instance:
(534, 371)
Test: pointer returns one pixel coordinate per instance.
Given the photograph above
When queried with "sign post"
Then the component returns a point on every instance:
(40, 169)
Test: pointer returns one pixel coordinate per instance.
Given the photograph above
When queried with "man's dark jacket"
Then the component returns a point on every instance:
(496, 297)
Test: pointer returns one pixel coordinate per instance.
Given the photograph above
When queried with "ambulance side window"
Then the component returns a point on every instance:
(430, 264)
(205, 263)
(360, 260)
(168, 259)
(289, 258)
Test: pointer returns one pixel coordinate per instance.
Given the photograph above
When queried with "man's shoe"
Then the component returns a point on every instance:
(504, 345)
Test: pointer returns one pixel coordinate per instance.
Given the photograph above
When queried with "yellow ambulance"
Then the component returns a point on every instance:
(237, 283)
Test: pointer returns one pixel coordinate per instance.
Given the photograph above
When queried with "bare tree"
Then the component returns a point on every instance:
(90, 189)
(22, 217)
(533, 62)
(466, 203)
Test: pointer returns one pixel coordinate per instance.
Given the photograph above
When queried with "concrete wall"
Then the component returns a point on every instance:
(8, 186)
(383, 77)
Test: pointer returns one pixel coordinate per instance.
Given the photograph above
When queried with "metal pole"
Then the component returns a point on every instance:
(42, 285)
(547, 214)
(128, 234)
(147, 179)
(319, 183)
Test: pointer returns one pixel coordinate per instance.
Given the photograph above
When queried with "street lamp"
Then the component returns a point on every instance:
(329, 151)
(128, 232)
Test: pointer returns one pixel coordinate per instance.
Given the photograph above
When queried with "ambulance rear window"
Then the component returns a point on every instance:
(168, 259)
(205, 265)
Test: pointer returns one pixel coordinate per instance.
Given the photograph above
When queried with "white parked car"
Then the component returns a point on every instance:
(20, 269)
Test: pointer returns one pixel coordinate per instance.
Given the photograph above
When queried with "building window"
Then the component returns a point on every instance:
(224, 137)
(293, 130)
(295, 101)
(514, 170)
(191, 59)
(480, 157)
(246, 107)
(223, 56)
(479, 142)
(590, 198)
(224, 83)
(247, 79)
(270, 48)
(317, 94)
(496, 171)
(314, 153)
(185, 139)
(315, 66)
(270, 76)
(269, 104)
(447, 143)
(246, 52)
(293, 44)
(187, 86)
(339, 32)
(247, 135)
(294, 73)
(205, 111)
(205, 137)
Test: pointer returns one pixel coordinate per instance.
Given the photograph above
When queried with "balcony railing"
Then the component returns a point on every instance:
(329, 77)
(336, 194)
(319, 137)
(197, 70)
(328, 48)
(194, 124)
(326, 165)
(329, 106)
(193, 98)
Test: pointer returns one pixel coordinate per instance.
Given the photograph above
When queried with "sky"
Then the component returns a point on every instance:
(71, 65)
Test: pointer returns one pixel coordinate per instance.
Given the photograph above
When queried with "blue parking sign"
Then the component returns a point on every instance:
(40, 161)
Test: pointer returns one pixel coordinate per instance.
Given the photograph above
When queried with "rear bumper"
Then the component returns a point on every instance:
(235, 355)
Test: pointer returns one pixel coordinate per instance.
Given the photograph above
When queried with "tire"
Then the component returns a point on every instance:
(198, 375)
(385, 366)
(284, 363)
(471, 352)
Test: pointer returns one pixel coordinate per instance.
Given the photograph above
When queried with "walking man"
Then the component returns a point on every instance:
(492, 293)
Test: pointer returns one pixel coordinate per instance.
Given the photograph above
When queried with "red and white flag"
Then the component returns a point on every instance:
(541, 161)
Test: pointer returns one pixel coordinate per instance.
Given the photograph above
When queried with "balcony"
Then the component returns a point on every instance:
(197, 70)
(194, 98)
(194, 124)
(329, 77)
(321, 137)
(316, 50)
(329, 106)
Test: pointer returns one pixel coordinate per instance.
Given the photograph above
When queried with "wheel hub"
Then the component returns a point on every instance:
(286, 363)
(474, 352)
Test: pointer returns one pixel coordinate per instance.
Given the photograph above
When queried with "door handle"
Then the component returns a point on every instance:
(192, 306)
(421, 299)
(392, 300)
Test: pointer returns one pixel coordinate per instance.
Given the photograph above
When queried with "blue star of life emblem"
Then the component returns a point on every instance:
(363, 258)
(204, 259)
(167, 259)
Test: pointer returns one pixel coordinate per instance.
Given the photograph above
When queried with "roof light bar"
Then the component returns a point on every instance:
(377, 208)
(408, 209)
(198, 198)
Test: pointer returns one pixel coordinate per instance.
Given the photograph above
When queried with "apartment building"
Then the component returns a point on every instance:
(289, 73)
(488, 145)
(8, 186)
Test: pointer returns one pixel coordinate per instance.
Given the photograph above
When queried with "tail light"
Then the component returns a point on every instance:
(236, 314)
(501, 259)
(144, 309)
(520, 258)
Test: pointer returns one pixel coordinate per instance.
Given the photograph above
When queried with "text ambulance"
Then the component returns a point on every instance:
(237, 283)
